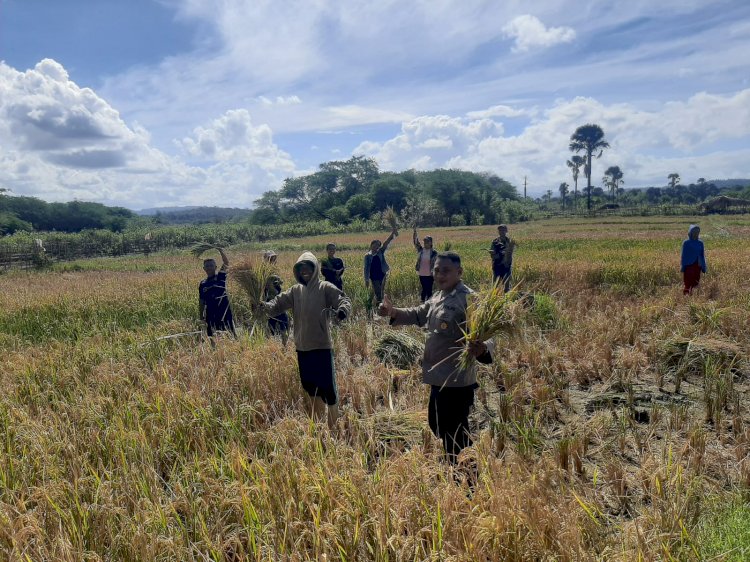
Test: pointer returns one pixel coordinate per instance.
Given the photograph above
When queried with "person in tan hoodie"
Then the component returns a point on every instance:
(313, 303)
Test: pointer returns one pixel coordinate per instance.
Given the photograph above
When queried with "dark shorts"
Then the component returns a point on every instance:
(278, 324)
(317, 374)
(224, 323)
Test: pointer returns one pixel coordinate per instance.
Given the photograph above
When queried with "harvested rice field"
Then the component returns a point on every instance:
(614, 423)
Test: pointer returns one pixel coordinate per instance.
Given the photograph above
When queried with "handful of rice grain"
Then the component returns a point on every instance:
(199, 248)
(488, 314)
(390, 219)
(253, 275)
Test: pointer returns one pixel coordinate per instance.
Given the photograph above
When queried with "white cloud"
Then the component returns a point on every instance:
(59, 142)
(496, 111)
(681, 135)
(529, 32)
(280, 100)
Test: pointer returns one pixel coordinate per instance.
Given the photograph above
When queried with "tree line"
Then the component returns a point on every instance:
(355, 189)
(30, 214)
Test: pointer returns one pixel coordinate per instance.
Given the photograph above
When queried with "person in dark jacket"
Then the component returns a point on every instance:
(332, 267)
(278, 325)
(452, 388)
(693, 260)
(426, 256)
(376, 266)
(213, 300)
(501, 251)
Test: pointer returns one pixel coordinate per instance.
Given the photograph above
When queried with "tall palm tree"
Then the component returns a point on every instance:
(588, 138)
(563, 192)
(613, 179)
(674, 179)
(575, 164)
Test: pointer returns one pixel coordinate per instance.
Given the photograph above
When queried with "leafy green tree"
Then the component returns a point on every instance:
(390, 191)
(575, 164)
(589, 139)
(674, 179)
(359, 205)
(613, 179)
(355, 175)
(338, 214)
(10, 223)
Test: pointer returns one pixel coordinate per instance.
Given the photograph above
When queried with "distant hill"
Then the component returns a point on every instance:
(195, 215)
(722, 184)
(158, 210)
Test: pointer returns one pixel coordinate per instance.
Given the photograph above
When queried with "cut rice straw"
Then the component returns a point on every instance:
(390, 219)
(489, 314)
(199, 248)
(252, 275)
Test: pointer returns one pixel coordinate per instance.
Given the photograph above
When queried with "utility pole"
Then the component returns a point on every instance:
(524, 187)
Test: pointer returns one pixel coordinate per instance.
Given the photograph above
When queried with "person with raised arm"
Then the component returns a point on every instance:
(376, 266)
(426, 256)
(213, 300)
(452, 387)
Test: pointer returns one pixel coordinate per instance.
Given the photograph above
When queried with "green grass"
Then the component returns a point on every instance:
(724, 533)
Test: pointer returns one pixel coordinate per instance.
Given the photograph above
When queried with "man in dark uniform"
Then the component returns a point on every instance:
(501, 251)
(332, 267)
(213, 299)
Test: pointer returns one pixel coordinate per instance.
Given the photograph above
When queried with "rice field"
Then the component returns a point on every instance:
(613, 425)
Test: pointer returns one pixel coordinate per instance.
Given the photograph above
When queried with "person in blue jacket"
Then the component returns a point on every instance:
(376, 266)
(693, 260)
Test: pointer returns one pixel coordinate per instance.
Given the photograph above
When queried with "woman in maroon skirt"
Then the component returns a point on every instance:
(693, 259)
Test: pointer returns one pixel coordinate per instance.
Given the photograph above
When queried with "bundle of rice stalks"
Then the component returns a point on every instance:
(399, 426)
(488, 314)
(253, 275)
(199, 248)
(682, 357)
(398, 349)
(390, 219)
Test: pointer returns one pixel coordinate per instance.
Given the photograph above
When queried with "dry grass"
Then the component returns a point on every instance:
(115, 445)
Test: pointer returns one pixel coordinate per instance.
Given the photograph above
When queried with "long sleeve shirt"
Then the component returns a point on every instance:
(693, 252)
(311, 305)
(444, 315)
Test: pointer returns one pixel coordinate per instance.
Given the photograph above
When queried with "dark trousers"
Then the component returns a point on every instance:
(377, 288)
(449, 417)
(501, 271)
(426, 281)
(691, 277)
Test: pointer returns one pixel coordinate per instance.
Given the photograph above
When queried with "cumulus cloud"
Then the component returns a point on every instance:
(59, 141)
(681, 135)
(529, 32)
(46, 113)
(233, 137)
(431, 141)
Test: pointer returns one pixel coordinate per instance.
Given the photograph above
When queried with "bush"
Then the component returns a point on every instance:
(458, 220)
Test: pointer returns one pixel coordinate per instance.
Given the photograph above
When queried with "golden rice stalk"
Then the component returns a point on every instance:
(252, 275)
(488, 314)
(390, 219)
(398, 349)
(199, 248)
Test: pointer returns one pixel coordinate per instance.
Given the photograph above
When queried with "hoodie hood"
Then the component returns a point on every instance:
(307, 257)
(692, 228)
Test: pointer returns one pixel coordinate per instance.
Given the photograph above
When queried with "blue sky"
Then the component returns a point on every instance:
(175, 102)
